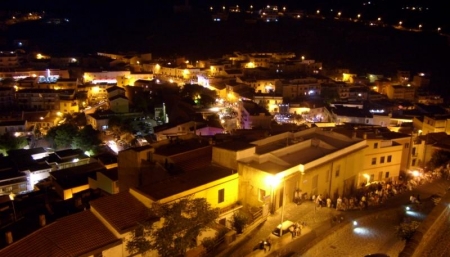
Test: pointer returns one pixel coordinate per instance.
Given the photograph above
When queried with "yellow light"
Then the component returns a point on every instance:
(59, 114)
(39, 56)
(273, 181)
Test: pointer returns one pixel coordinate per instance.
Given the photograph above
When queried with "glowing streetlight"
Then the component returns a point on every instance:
(11, 197)
(359, 16)
(339, 14)
(211, 8)
(400, 23)
(379, 18)
(439, 29)
(420, 26)
(318, 11)
(303, 57)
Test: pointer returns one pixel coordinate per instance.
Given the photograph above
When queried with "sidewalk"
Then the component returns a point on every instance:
(318, 224)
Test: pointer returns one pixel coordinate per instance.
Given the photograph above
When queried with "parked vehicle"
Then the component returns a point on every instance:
(284, 227)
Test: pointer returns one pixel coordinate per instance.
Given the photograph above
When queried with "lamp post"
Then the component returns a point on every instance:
(11, 197)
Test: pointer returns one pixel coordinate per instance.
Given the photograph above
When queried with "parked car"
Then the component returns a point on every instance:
(284, 227)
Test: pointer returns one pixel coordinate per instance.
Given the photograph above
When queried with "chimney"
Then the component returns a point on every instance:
(8, 237)
(42, 220)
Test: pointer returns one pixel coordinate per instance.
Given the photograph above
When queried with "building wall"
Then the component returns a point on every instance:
(375, 167)
(210, 191)
(119, 105)
(130, 163)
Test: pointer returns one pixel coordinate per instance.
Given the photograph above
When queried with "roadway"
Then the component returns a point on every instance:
(321, 237)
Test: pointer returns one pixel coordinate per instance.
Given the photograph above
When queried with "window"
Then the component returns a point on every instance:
(221, 195)
(262, 195)
(406, 145)
(382, 159)
(413, 162)
(338, 170)
(380, 175)
(389, 159)
(387, 174)
(374, 161)
(375, 146)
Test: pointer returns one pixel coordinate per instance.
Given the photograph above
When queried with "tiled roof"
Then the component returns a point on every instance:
(74, 235)
(123, 211)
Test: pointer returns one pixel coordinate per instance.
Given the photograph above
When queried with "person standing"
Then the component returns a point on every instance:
(328, 202)
(339, 203)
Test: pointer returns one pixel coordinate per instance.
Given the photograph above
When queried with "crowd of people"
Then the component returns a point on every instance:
(377, 193)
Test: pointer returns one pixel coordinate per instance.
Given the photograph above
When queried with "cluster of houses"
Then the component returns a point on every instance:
(373, 131)
(230, 172)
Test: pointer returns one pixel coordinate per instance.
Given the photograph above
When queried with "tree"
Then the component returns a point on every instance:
(87, 139)
(438, 159)
(182, 222)
(62, 136)
(9, 142)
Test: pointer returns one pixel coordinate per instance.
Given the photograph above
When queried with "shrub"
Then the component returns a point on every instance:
(239, 222)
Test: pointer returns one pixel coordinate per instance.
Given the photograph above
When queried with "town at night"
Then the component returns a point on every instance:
(224, 128)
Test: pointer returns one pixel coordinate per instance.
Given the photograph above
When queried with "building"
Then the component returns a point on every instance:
(269, 102)
(401, 92)
(251, 115)
(7, 97)
(314, 161)
(119, 104)
(72, 180)
(80, 234)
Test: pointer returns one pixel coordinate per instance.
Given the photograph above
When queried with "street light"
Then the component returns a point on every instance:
(274, 181)
(11, 197)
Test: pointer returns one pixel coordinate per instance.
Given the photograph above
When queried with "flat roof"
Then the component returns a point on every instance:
(186, 181)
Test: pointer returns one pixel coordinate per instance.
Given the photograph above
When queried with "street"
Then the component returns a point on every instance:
(374, 232)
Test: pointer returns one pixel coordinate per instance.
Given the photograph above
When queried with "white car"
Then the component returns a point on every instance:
(283, 227)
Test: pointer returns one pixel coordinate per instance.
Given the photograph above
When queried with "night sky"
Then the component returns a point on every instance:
(152, 26)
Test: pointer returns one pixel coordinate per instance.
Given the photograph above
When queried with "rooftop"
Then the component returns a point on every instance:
(123, 211)
(186, 181)
(75, 235)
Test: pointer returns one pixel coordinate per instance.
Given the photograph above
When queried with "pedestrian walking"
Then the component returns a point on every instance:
(328, 202)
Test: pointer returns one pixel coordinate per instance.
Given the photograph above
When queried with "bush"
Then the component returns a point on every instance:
(406, 229)
(239, 222)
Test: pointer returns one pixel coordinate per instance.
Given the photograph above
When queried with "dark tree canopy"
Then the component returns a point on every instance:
(62, 136)
(439, 158)
(87, 139)
(182, 223)
(9, 142)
